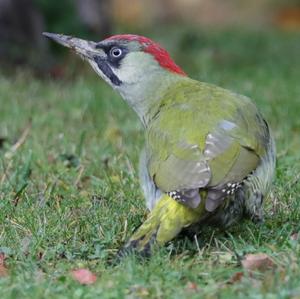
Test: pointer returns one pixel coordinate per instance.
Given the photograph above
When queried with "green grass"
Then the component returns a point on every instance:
(70, 197)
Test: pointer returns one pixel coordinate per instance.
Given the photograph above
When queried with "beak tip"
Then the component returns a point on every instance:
(80, 46)
(59, 38)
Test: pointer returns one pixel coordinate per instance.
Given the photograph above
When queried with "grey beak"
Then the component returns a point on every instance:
(86, 49)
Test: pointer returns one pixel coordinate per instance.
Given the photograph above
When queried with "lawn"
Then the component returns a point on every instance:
(70, 197)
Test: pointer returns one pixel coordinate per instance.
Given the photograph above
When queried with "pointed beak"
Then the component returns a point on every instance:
(86, 49)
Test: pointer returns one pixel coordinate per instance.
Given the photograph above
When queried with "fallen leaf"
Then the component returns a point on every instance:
(3, 269)
(259, 261)
(236, 277)
(289, 18)
(84, 276)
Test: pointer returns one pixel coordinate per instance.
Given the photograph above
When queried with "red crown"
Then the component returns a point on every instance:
(149, 46)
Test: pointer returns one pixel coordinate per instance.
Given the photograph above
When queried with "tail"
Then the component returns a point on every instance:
(164, 222)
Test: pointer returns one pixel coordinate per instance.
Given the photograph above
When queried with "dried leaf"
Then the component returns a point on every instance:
(84, 276)
(3, 269)
(289, 18)
(236, 277)
(259, 261)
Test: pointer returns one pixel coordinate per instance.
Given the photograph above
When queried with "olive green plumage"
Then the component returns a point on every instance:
(184, 117)
(204, 138)
(209, 157)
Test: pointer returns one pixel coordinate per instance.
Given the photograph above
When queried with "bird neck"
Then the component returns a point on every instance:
(147, 90)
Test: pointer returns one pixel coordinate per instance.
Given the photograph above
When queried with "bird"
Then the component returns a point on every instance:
(209, 157)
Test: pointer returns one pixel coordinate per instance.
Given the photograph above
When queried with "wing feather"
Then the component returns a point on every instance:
(207, 148)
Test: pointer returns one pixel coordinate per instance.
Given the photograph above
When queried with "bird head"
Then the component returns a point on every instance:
(134, 65)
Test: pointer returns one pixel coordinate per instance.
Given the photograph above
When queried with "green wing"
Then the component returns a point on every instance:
(204, 137)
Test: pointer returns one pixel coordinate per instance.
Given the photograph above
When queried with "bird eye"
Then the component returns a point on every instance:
(115, 52)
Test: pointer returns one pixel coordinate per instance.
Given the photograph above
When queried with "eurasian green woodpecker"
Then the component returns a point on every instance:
(209, 157)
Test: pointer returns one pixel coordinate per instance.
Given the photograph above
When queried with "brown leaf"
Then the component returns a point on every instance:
(259, 261)
(236, 277)
(3, 269)
(84, 276)
(289, 18)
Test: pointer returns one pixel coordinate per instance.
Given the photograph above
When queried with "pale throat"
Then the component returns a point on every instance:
(147, 89)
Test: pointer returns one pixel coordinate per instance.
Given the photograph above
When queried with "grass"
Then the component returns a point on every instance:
(70, 197)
